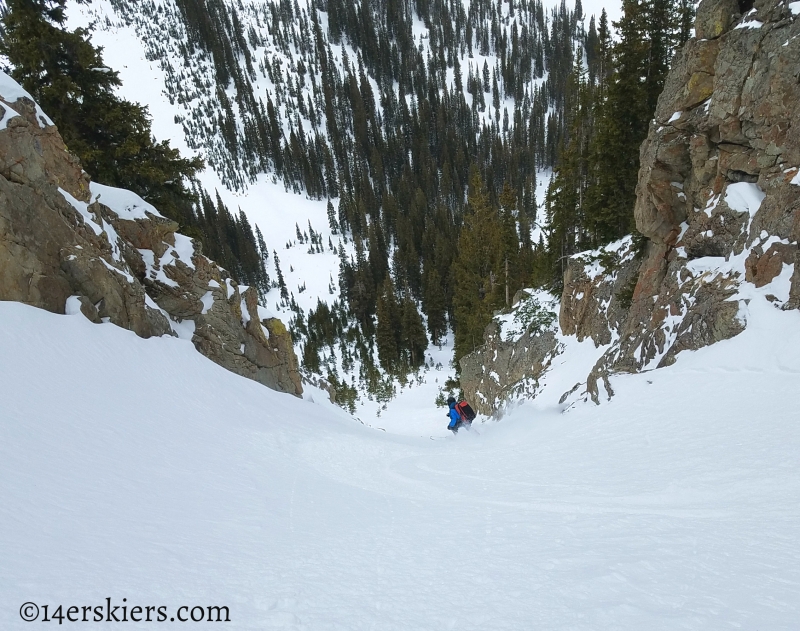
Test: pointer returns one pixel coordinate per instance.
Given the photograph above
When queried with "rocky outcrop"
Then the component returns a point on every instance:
(598, 288)
(718, 199)
(518, 348)
(48, 251)
(520, 345)
(714, 195)
(67, 244)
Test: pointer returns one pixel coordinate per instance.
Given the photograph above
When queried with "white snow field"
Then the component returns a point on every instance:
(138, 469)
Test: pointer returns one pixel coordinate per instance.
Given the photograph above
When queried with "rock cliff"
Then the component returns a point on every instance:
(718, 199)
(518, 349)
(68, 244)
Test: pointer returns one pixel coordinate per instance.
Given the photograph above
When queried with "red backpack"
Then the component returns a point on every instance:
(465, 411)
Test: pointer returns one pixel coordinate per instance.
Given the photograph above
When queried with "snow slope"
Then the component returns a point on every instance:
(137, 469)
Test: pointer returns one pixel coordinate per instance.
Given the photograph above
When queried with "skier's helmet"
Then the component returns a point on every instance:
(451, 400)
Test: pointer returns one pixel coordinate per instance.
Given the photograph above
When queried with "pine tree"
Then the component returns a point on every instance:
(604, 64)
(264, 282)
(510, 239)
(378, 261)
(476, 270)
(592, 51)
(281, 282)
(662, 33)
(262, 246)
(413, 338)
(565, 201)
(435, 304)
(334, 225)
(362, 294)
(686, 14)
(388, 327)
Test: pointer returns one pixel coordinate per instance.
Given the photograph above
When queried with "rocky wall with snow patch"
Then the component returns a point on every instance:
(718, 199)
(598, 287)
(718, 193)
(69, 245)
(518, 348)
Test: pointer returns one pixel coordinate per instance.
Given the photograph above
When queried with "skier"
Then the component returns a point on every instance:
(455, 417)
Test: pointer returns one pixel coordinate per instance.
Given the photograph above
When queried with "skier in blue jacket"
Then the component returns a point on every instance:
(455, 417)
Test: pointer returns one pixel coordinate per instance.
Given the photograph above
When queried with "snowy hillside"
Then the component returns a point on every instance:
(277, 64)
(145, 47)
(136, 469)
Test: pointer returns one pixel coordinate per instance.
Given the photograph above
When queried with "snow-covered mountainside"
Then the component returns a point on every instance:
(135, 469)
(265, 68)
(292, 104)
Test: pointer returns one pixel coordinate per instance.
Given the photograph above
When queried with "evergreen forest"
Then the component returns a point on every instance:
(431, 151)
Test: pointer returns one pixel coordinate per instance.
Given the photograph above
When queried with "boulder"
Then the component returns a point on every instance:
(762, 267)
(32, 153)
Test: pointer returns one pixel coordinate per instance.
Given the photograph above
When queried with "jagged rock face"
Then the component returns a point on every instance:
(47, 251)
(726, 115)
(515, 353)
(593, 303)
(715, 181)
(63, 249)
(718, 197)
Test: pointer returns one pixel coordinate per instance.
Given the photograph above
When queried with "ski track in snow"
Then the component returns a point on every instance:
(138, 469)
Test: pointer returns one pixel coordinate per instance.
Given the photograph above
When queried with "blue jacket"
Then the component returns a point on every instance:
(455, 417)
